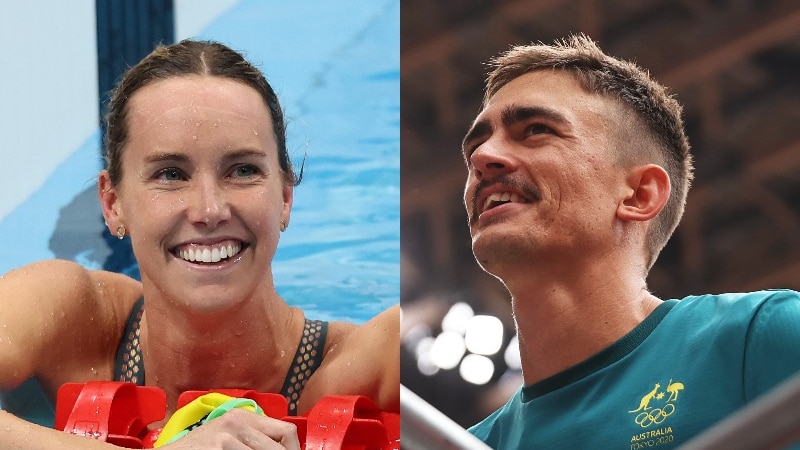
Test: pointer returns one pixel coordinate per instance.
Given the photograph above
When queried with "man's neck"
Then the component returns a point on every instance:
(561, 322)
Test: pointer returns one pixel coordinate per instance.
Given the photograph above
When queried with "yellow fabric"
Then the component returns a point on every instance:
(195, 411)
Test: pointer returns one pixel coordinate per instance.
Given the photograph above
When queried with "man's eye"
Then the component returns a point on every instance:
(169, 174)
(537, 128)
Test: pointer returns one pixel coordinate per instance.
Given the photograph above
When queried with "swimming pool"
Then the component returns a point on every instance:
(336, 69)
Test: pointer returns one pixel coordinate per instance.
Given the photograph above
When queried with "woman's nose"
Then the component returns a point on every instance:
(210, 206)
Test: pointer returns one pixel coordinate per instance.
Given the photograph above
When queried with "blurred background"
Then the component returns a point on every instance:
(733, 64)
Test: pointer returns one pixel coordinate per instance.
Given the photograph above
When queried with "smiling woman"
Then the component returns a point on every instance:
(200, 181)
(201, 173)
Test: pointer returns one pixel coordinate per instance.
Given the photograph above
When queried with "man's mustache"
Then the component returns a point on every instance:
(528, 190)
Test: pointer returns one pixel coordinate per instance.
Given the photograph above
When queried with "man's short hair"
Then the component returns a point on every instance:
(652, 134)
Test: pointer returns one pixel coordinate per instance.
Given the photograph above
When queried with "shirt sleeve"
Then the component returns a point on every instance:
(772, 351)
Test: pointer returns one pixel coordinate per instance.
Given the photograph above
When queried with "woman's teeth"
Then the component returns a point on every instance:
(209, 254)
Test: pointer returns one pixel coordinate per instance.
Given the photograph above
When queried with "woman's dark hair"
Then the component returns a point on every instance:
(189, 57)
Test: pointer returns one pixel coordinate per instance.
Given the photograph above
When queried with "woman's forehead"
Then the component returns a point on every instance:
(197, 93)
(197, 114)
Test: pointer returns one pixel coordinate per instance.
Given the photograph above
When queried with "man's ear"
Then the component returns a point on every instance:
(649, 188)
(109, 202)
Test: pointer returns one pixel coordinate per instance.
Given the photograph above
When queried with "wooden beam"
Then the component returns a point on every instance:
(731, 52)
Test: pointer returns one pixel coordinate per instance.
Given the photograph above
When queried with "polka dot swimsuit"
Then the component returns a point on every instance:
(129, 365)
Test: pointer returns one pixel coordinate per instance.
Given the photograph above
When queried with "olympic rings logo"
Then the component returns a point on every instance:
(654, 416)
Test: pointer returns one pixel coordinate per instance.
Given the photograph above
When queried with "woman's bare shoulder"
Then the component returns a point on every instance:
(384, 325)
(361, 360)
(55, 308)
(67, 285)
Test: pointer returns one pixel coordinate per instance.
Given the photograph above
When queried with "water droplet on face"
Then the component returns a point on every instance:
(255, 132)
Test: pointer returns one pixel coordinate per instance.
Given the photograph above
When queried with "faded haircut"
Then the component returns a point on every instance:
(654, 118)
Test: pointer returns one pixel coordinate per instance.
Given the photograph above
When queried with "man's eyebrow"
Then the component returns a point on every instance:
(514, 114)
(510, 116)
(478, 129)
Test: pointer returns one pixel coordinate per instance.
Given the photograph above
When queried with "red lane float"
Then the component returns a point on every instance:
(121, 413)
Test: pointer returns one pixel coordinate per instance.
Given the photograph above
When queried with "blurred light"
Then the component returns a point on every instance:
(476, 369)
(423, 347)
(415, 334)
(512, 354)
(456, 318)
(422, 352)
(447, 350)
(426, 366)
(484, 335)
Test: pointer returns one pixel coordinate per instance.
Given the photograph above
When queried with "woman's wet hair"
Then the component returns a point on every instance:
(189, 57)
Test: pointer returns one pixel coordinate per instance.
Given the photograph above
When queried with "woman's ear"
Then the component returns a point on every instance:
(109, 202)
(288, 198)
(649, 189)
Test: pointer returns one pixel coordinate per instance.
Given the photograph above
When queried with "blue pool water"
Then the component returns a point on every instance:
(336, 69)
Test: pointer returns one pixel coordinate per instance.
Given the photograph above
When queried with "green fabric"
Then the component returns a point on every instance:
(687, 366)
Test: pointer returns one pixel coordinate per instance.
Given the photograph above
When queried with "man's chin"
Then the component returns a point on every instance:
(498, 254)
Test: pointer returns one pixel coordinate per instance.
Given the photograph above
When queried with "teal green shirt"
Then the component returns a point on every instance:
(690, 364)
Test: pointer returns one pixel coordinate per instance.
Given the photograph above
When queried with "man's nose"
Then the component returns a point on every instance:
(491, 159)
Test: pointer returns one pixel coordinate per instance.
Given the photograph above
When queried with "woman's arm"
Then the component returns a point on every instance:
(365, 361)
(61, 322)
(232, 429)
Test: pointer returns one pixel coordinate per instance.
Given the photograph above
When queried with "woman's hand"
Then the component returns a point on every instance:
(240, 429)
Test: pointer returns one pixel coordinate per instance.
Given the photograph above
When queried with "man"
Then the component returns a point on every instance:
(578, 173)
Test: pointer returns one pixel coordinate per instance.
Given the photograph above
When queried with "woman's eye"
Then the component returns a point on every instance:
(170, 174)
(245, 171)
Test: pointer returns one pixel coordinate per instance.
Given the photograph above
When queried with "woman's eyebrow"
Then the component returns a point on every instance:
(164, 156)
(244, 153)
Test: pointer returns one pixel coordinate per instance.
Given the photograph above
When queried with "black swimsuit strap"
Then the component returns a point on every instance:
(129, 365)
(306, 361)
